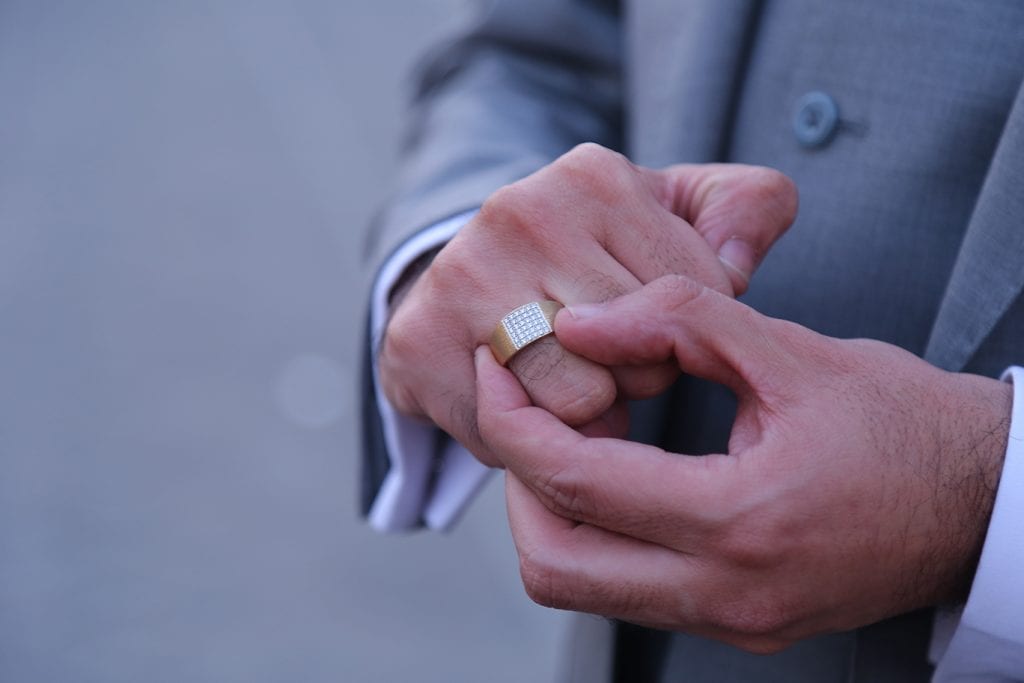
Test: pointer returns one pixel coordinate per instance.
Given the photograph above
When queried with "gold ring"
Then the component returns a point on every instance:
(522, 327)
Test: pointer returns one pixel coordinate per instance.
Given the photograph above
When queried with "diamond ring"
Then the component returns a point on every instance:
(522, 327)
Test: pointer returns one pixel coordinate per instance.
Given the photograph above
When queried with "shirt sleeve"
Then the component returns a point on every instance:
(988, 642)
(429, 480)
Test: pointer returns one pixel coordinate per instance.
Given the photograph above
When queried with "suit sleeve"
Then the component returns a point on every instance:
(529, 80)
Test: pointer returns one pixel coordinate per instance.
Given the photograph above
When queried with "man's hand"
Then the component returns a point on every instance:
(858, 483)
(589, 227)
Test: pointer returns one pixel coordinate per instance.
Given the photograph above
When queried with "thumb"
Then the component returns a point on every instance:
(740, 210)
(707, 333)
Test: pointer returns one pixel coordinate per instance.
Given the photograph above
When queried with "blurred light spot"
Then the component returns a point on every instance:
(313, 390)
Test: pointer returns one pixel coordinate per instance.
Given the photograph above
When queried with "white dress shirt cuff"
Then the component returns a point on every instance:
(428, 481)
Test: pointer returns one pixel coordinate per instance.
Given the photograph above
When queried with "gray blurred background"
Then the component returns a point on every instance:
(183, 193)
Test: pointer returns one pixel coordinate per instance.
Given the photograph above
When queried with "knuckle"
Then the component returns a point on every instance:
(565, 493)
(759, 617)
(675, 292)
(396, 354)
(756, 534)
(754, 609)
(593, 166)
(398, 366)
(424, 352)
(502, 205)
(588, 154)
(400, 396)
(749, 549)
(454, 285)
(523, 213)
(786, 353)
(399, 340)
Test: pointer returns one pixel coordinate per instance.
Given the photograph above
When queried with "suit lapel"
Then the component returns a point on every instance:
(989, 271)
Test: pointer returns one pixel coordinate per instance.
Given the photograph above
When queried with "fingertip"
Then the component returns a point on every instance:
(481, 356)
(584, 311)
(635, 329)
(488, 370)
(498, 391)
(568, 318)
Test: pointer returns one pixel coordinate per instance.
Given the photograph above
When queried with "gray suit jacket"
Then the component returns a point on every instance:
(911, 227)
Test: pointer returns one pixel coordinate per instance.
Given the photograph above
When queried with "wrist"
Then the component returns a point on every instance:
(976, 423)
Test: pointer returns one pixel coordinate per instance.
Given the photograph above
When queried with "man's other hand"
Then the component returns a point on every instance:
(858, 483)
(587, 228)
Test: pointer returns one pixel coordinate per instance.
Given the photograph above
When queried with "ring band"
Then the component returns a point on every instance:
(522, 327)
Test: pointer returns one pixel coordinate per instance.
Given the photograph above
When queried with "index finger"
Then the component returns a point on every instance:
(633, 489)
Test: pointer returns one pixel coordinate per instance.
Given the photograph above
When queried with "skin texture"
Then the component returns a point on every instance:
(587, 228)
(858, 483)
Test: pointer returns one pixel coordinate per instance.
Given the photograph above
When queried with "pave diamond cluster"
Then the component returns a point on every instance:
(522, 327)
(526, 324)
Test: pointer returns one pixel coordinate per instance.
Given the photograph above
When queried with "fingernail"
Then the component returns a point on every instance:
(737, 255)
(581, 311)
(480, 355)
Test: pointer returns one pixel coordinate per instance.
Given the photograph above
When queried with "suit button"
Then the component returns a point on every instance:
(816, 119)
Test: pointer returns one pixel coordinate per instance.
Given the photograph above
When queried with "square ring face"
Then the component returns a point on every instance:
(526, 324)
